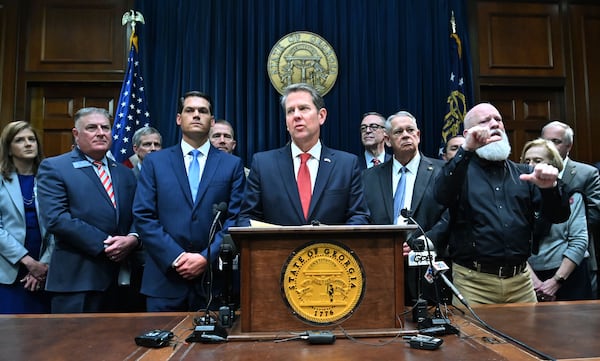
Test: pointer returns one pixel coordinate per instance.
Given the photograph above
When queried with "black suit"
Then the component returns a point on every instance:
(377, 182)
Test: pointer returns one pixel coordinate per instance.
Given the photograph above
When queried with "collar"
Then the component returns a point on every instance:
(315, 151)
(412, 166)
(186, 148)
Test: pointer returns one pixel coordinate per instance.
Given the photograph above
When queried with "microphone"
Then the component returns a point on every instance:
(218, 209)
(439, 320)
(206, 329)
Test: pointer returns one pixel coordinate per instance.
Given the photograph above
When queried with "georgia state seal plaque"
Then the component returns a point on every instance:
(323, 282)
(302, 57)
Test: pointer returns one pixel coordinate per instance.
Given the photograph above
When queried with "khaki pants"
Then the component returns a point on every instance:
(484, 288)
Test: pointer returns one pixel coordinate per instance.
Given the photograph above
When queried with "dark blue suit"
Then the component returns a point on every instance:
(77, 210)
(170, 223)
(272, 193)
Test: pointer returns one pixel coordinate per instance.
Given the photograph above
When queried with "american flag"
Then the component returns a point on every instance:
(456, 101)
(132, 113)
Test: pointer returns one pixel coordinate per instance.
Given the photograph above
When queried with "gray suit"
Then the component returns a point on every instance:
(12, 231)
(584, 178)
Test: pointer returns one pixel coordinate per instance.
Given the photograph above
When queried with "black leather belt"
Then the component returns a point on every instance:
(505, 271)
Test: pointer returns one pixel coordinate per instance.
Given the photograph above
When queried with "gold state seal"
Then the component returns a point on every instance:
(323, 283)
(302, 57)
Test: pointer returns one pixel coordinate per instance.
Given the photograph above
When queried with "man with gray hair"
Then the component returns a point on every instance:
(145, 140)
(583, 178)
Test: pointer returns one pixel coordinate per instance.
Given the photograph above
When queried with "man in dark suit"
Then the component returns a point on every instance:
(174, 214)
(93, 232)
(584, 179)
(374, 139)
(272, 193)
(381, 183)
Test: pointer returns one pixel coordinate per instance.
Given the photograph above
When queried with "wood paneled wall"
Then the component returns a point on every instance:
(537, 61)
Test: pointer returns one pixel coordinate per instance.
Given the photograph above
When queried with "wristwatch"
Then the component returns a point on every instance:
(559, 278)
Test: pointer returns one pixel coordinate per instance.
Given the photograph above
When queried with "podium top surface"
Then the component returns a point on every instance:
(368, 228)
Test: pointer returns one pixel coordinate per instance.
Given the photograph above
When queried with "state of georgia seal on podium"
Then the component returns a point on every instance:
(323, 282)
(302, 57)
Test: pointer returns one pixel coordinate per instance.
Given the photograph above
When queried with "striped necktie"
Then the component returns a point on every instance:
(106, 182)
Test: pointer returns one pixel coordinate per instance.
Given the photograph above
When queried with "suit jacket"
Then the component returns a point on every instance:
(272, 193)
(169, 222)
(78, 211)
(13, 229)
(362, 161)
(584, 178)
(427, 212)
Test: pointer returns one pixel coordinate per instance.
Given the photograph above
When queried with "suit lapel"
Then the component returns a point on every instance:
(569, 173)
(384, 177)
(285, 164)
(424, 174)
(178, 168)
(14, 191)
(213, 159)
(326, 165)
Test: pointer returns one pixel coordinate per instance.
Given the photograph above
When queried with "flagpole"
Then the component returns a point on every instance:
(132, 110)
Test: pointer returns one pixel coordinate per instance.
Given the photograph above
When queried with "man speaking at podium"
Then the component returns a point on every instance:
(304, 182)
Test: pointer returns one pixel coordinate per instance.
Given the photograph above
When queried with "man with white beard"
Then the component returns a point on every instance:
(493, 203)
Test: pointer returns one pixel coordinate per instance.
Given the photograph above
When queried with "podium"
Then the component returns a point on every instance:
(265, 251)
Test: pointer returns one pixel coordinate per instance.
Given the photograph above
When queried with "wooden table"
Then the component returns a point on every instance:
(563, 330)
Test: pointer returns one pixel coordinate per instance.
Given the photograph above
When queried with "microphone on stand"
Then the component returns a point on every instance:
(441, 323)
(206, 329)
(437, 269)
(218, 209)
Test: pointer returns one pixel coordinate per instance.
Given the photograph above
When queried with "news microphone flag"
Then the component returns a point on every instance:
(132, 112)
(456, 102)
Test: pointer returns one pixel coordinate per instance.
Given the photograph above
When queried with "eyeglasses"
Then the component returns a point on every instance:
(371, 127)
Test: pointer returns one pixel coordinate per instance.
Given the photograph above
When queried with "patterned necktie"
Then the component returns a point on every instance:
(194, 173)
(304, 186)
(375, 161)
(106, 182)
(399, 195)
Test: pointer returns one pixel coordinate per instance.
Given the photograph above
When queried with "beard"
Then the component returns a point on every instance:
(495, 151)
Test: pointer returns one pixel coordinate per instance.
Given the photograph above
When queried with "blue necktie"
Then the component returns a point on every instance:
(399, 195)
(194, 173)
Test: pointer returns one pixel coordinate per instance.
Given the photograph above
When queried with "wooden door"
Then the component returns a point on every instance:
(52, 107)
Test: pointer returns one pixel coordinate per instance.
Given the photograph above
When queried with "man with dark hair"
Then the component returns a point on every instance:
(174, 209)
(304, 181)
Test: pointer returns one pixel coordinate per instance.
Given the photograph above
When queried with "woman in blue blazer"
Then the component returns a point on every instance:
(25, 247)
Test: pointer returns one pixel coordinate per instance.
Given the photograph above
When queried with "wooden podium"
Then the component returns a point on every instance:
(265, 251)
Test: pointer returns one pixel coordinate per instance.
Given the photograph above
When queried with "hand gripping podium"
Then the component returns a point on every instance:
(299, 277)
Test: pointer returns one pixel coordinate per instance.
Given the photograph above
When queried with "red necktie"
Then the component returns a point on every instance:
(304, 185)
(375, 161)
(106, 182)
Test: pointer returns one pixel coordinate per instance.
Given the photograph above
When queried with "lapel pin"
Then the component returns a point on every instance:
(327, 160)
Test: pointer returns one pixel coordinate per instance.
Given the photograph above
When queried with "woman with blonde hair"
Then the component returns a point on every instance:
(25, 247)
(559, 268)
